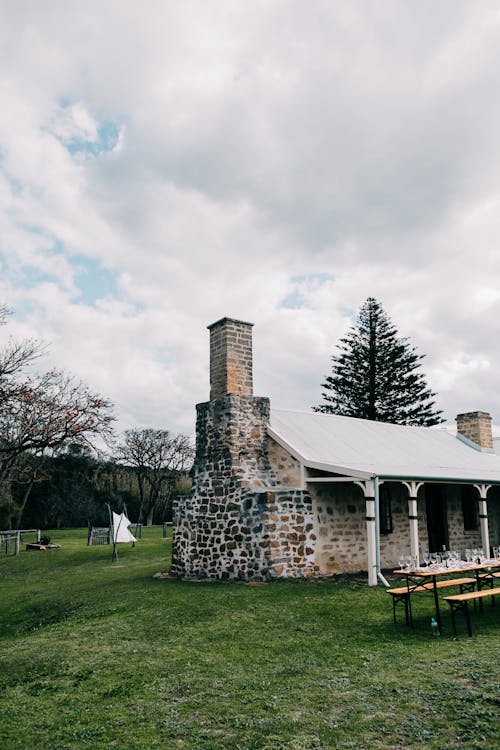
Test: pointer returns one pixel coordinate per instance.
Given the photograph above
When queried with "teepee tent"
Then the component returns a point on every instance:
(121, 532)
(119, 525)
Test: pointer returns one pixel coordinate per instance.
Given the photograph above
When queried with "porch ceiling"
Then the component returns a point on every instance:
(363, 448)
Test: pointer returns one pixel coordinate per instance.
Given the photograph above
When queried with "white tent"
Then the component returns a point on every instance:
(121, 532)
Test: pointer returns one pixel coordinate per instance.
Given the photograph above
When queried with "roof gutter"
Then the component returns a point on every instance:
(436, 480)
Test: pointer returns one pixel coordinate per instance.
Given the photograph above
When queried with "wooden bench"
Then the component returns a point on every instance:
(402, 594)
(460, 601)
(489, 578)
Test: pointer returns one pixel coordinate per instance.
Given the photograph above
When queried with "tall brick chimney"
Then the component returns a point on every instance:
(476, 426)
(230, 358)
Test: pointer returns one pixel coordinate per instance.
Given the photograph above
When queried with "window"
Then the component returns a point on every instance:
(469, 508)
(385, 511)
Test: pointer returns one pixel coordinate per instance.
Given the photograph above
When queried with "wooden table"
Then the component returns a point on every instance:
(415, 577)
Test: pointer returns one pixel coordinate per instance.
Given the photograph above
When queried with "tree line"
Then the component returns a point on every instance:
(53, 469)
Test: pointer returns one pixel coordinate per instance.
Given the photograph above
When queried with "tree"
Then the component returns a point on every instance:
(39, 414)
(375, 374)
(75, 486)
(159, 460)
(48, 411)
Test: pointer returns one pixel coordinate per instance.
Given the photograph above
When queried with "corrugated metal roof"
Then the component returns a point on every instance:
(360, 447)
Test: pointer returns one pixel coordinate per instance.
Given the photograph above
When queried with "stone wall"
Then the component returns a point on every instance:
(239, 522)
(340, 527)
(289, 525)
(459, 538)
(285, 466)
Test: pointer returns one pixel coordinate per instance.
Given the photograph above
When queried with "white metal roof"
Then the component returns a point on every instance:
(496, 445)
(362, 448)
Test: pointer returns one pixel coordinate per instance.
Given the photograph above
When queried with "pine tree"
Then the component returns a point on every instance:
(375, 374)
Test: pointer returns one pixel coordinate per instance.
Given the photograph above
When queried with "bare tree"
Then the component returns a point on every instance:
(15, 357)
(158, 458)
(41, 413)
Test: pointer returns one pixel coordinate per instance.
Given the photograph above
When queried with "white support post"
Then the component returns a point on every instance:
(413, 488)
(413, 518)
(483, 517)
(371, 541)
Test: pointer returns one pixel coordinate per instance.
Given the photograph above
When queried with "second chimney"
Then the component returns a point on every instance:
(476, 426)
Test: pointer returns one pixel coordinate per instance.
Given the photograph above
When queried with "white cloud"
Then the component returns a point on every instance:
(268, 161)
(74, 123)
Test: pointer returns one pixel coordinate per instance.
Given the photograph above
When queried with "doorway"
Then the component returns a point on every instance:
(437, 517)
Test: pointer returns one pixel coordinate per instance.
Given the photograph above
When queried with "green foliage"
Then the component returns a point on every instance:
(101, 654)
(375, 375)
(75, 487)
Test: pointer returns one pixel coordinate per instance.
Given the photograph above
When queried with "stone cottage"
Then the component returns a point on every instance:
(286, 494)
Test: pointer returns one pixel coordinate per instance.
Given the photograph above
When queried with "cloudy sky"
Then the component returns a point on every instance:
(167, 163)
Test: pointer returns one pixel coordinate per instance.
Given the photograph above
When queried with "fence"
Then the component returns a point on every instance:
(99, 535)
(11, 540)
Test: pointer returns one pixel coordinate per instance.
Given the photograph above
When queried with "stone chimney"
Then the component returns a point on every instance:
(238, 522)
(476, 427)
(230, 358)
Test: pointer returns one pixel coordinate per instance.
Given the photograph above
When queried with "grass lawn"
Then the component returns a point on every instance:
(100, 654)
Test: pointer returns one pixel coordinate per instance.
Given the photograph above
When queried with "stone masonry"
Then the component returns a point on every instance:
(239, 522)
